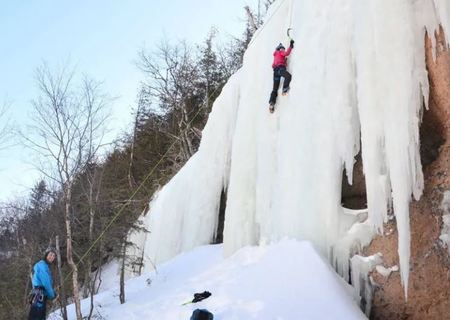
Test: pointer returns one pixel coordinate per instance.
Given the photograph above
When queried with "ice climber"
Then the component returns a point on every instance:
(279, 70)
(42, 286)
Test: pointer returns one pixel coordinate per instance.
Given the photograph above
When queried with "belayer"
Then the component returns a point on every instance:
(279, 70)
(42, 286)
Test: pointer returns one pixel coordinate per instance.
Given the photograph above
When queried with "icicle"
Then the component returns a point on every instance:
(361, 267)
(443, 12)
(445, 232)
(386, 272)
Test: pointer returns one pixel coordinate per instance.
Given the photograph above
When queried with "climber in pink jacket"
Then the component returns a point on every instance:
(279, 70)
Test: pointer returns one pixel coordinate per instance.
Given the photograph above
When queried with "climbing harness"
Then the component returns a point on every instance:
(36, 296)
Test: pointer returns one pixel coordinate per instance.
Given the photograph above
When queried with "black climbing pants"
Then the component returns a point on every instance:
(279, 72)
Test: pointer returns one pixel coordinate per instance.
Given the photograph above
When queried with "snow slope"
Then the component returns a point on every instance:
(358, 78)
(287, 280)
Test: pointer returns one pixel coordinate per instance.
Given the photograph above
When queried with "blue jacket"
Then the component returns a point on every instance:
(43, 278)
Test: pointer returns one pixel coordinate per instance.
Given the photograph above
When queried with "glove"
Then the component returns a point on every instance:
(292, 44)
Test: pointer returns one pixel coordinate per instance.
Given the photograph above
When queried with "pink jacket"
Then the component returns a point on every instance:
(280, 57)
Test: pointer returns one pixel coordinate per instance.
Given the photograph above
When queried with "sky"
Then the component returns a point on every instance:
(99, 38)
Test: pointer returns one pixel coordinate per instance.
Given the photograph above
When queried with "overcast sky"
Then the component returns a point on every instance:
(101, 38)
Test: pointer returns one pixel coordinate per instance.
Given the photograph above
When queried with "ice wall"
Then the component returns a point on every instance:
(184, 214)
(358, 76)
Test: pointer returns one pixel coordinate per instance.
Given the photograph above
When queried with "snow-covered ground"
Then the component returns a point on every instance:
(287, 280)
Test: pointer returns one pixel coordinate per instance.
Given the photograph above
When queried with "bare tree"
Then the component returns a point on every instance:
(172, 74)
(131, 179)
(67, 131)
(61, 280)
(122, 274)
(94, 101)
(252, 19)
(93, 176)
(94, 289)
(267, 4)
(6, 131)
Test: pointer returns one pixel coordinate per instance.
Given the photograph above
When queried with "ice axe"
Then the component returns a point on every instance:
(288, 31)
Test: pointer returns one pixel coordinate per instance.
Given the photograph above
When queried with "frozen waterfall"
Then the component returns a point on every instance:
(359, 82)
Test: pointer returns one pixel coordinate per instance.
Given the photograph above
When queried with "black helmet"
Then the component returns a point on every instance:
(280, 46)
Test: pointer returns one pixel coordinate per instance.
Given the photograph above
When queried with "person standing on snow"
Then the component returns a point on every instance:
(279, 70)
(42, 286)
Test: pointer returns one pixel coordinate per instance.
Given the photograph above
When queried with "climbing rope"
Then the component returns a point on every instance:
(289, 29)
(291, 6)
(139, 187)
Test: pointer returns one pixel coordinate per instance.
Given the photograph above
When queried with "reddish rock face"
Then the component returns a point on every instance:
(429, 288)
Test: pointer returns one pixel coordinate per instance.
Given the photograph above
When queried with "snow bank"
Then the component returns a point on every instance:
(288, 280)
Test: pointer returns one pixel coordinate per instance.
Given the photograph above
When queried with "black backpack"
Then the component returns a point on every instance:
(202, 314)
